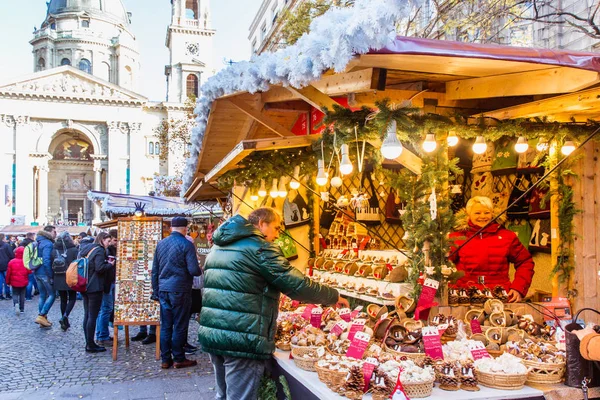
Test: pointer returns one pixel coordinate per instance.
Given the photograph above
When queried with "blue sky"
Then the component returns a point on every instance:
(231, 19)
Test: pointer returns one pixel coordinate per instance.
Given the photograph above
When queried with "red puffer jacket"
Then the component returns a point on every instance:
(17, 275)
(489, 255)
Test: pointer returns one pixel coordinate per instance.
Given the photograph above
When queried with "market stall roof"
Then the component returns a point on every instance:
(117, 204)
(24, 229)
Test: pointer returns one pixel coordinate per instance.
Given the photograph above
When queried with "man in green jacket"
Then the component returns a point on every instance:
(245, 274)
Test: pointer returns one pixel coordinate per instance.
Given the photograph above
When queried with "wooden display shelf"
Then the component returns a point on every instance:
(459, 312)
(126, 326)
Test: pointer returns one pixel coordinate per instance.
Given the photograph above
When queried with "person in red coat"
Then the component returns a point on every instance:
(17, 276)
(490, 254)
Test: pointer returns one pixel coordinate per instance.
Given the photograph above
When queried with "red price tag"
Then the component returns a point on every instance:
(339, 328)
(478, 351)
(368, 368)
(357, 326)
(425, 302)
(356, 311)
(432, 342)
(307, 311)
(345, 314)
(475, 326)
(358, 346)
(315, 317)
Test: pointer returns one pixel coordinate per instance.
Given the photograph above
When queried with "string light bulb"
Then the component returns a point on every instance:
(274, 193)
(262, 191)
(542, 145)
(282, 189)
(254, 197)
(346, 166)
(452, 139)
(321, 175)
(522, 145)
(295, 183)
(568, 147)
(336, 181)
(391, 147)
(429, 144)
(479, 147)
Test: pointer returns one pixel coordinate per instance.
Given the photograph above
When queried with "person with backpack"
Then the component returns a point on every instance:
(64, 253)
(98, 269)
(17, 276)
(6, 254)
(40, 262)
(32, 287)
(108, 299)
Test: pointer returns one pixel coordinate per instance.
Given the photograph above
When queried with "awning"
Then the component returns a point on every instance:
(22, 230)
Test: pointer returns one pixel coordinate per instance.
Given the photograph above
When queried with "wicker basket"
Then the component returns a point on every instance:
(284, 346)
(541, 372)
(418, 390)
(305, 363)
(501, 381)
(410, 356)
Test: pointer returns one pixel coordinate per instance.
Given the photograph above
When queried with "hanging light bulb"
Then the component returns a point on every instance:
(542, 145)
(336, 181)
(274, 193)
(405, 237)
(254, 197)
(429, 144)
(568, 147)
(452, 139)
(479, 147)
(295, 183)
(522, 145)
(282, 189)
(262, 192)
(346, 166)
(391, 147)
(321, 175)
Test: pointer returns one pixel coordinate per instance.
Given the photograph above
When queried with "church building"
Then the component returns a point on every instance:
(79, 123)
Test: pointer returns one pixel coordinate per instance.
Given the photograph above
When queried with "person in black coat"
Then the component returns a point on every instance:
(64, 248)
(98, 268)
(6, 254)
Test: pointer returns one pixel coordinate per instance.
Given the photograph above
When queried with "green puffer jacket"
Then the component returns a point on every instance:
(244, 276)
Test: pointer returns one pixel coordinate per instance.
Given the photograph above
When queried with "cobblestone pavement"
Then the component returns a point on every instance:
(50, 361)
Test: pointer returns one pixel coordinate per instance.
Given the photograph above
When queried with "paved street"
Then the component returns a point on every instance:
(52, 364)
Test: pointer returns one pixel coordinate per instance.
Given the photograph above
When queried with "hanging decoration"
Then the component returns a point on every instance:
(433, 204)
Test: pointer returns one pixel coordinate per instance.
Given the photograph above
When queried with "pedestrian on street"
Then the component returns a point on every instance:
(145, 335)
(108, 297)
(98, 268)
(6, 254)
(12, 242)
(17, 276)
(44, 274)
(32, 286)
(173, 270)
(245, 273)
(65, 249)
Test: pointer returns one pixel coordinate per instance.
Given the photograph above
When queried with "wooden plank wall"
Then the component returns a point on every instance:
(586, 279)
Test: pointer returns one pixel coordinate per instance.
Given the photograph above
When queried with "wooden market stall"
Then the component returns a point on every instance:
(483, 82)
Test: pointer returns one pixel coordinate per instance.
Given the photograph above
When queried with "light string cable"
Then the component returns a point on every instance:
(522, 196)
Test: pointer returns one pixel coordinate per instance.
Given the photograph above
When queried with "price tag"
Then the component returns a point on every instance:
(442, 328)
(356, 311)
(368, 368)
(339, 328)
(425, 302)
(315, 317)
(357, 326)
(432, 342)
(307, 311)
(345, 314)
(358, 346)
(476, 326)
(478, 351)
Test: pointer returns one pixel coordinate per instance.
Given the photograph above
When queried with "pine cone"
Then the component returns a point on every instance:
(449, 383)
(469, 383)
(500, 293)
(452, 299)
(471, 290)
(381, 384)
(355, 381)
(426, 361)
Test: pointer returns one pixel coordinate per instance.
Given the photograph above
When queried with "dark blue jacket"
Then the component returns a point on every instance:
(45, 244)
(175, 265)
(6, 254)
(98, 267)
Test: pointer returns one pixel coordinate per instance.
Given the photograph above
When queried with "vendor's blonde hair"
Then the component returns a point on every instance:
(483, 200)
(263, 214)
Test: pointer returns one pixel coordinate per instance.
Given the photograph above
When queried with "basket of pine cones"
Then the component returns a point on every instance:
(353, 388)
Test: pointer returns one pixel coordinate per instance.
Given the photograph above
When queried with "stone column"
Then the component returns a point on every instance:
(24, 169)
(98, 168)
(42, 194)
(7, 159)
(117, 157)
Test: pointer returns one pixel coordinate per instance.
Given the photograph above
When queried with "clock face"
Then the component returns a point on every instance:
(192, 48)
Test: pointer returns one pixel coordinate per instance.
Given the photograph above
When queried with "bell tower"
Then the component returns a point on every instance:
(189, 39)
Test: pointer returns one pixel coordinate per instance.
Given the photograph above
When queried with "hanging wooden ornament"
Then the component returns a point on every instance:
(433, 204)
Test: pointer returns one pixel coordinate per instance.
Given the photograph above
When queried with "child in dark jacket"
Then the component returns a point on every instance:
(17, 276)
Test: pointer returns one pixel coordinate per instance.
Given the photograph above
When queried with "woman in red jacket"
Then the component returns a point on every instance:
(490, 254)
(17, 276)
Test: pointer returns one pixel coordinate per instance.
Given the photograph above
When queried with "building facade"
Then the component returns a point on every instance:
(266, 25)
(78, 123)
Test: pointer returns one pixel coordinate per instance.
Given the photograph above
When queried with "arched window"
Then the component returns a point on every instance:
(157, 148)
(65, 61)
(85, 65)
(151, 148)
(192, 86)
(41, 64)
(85, 23)
(53, 26)
(103, 71)
(191, 9)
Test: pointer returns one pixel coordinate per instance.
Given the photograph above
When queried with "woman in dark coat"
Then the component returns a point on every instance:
(98, 269)
(64, 248)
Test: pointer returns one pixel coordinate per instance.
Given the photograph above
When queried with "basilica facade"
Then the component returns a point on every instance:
(78, 122)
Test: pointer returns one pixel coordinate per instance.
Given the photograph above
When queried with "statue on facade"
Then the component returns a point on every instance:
(80, 216)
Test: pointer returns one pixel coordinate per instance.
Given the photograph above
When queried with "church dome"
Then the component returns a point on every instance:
(109, 9)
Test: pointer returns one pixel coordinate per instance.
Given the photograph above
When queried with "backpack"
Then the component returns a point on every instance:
(77, 273)
(59, 264)
(30, 257)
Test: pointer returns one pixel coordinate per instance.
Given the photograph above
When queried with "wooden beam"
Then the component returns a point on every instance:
(546, 81)
(314, 97)
(261, 118)
(585, 99)
(407, 158)
(289, 106)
